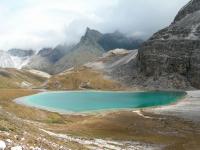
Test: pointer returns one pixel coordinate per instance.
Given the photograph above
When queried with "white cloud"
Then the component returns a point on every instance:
(43, 23)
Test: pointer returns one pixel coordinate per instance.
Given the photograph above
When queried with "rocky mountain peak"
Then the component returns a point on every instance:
(91, 46)
(191, 7)
(91, 34)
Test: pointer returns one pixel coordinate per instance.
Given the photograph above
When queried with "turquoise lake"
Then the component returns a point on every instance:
(86, 101)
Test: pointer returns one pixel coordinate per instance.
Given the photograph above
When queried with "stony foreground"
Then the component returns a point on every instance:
(159, 128)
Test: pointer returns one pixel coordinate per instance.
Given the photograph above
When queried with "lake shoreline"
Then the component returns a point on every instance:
(178, 108)
(92, 112)
(188, 108)
(145, 128)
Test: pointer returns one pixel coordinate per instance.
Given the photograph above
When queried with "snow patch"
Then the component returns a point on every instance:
(8, 61)
(19, 62)
(40, 73)
(116, 52)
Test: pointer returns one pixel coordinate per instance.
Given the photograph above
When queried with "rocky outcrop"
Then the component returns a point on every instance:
(192, 6)
(175, 50)
(118, 65)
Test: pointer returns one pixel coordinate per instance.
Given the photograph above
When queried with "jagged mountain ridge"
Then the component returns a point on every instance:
(54, 60)
(45, 59)
(86, 50)
(173, 53)
(91, 46)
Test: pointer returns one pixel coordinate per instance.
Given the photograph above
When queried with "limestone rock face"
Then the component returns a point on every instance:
(175, 49)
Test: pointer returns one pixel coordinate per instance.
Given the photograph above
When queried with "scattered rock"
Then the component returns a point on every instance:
(9, 140)
(17, 148)
(2, 145)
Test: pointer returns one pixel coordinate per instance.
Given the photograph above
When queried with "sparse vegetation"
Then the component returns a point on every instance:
(174, 133)
(72, 80)
(13, 78)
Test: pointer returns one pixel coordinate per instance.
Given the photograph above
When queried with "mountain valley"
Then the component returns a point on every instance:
(108, 64)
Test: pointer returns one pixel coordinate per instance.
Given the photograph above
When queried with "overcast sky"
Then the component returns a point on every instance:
(45, 23)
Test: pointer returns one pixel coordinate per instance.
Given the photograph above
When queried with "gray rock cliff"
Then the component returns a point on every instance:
(175, 50)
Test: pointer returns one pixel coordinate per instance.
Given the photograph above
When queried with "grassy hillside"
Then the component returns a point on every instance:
(13, 78)
(82, 78)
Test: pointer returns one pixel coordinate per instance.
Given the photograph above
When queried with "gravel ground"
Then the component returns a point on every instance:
(188, 108)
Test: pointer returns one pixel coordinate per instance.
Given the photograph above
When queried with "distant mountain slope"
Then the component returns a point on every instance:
(15, 58)
(118, 65)
(171, 57)
(45, 59)
(55, 60)
(86, 50)
(14, 78)
(115, 40)
(91, 46)
(105, 73)
(21, 53)
(5, 60)
(41, 61)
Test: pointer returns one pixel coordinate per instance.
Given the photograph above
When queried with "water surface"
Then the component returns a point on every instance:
(86, 101)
